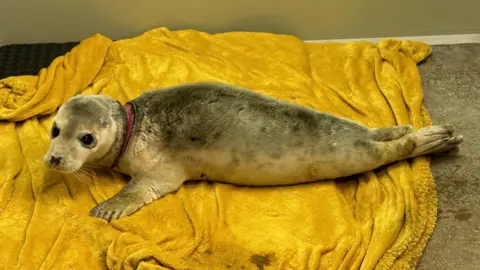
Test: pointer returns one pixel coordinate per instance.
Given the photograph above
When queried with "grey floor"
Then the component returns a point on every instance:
(451, 81)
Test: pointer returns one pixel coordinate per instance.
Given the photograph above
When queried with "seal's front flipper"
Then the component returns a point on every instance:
(115, 208)
(136, 194)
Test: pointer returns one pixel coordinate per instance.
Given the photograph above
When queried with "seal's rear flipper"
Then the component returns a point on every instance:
(427, 140)
(435, 139)
(389, 133)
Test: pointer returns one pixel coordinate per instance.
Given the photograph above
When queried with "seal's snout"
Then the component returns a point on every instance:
(54, 160)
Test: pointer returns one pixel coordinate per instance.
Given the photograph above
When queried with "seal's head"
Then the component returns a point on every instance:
(84, 131)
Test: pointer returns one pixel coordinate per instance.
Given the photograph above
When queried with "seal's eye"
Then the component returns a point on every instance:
(55, 131)
(87, 140)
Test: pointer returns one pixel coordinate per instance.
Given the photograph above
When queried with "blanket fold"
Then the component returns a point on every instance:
(380, 219)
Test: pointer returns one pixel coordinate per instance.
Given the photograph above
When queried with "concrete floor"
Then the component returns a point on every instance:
(451, 81)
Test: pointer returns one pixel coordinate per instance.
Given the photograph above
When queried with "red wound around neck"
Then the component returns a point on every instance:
(128, 132)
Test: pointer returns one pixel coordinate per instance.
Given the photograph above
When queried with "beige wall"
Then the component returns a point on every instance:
(69, 20)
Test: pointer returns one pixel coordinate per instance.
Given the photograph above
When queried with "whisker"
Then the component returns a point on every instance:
(85, 174)
(86, 170)
(91, 166)
(94, 170)
(79, 178)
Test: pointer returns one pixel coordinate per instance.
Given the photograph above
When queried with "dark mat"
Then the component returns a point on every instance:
(28, 59)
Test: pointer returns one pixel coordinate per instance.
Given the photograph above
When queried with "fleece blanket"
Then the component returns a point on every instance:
(380, 219)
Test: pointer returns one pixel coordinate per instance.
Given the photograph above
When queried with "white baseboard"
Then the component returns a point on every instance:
(431, 40)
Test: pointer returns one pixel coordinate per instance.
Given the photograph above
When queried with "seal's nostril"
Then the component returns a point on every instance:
(55, 160)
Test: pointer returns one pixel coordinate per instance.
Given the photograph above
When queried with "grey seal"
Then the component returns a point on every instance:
(225, 133)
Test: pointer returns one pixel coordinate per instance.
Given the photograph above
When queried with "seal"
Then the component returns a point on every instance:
(225, 133)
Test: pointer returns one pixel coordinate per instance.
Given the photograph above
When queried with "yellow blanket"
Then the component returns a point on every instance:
(379, 219)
